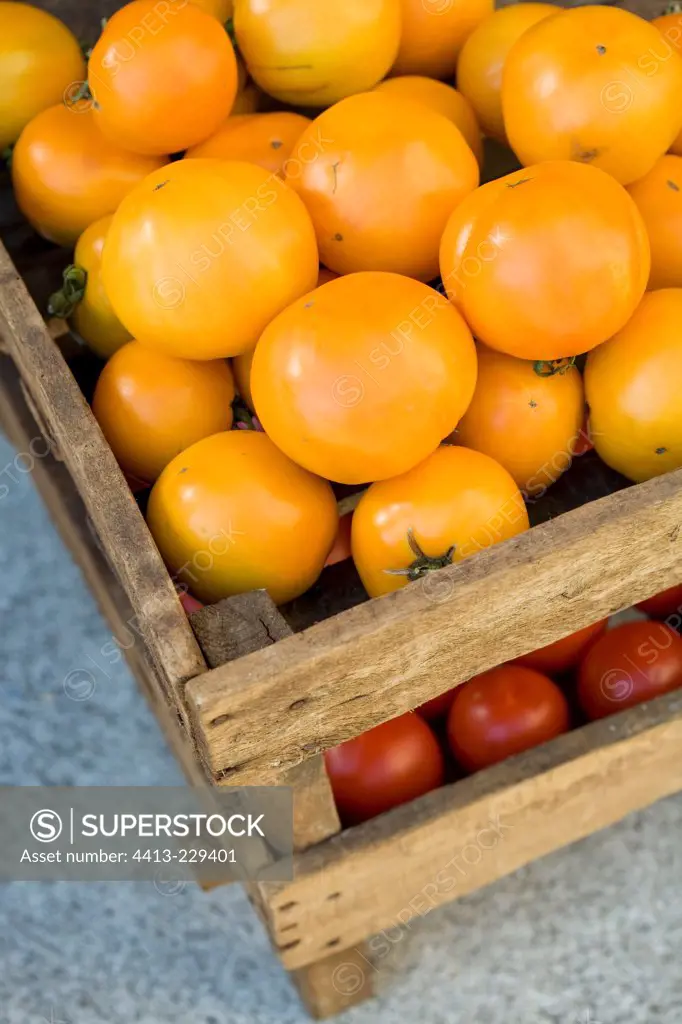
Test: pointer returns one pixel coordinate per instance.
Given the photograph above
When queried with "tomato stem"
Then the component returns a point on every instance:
(549, 367)
(72, 291)
(422, 563)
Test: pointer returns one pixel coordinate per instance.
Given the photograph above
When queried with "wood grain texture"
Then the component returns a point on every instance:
(397, 867)
(66, 509)
(228, 631)
(281, 705)
(123, 535)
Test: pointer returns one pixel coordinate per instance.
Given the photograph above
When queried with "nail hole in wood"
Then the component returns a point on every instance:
(332, 943)
(220, 720)
(333, 895)
(298, 704)
(289, 945)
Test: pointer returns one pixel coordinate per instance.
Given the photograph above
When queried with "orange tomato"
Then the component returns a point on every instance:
(241, 364)
(150, 407)
(163, 77)
(670, 26)
(633, 385)
(312, 54)
(482, 59)
(380, 177)
(233, 514)
(433, 32)
(241, 370)
(563, 654)
(546, 262)
(263, 139)
(592, 85)
(204, 254)
(452, 505)
(40, 64)
(341, 549)
(528, 422)
(658, 196)
(66, 175)
(441, 99)
(83, 300)
(351, 388)
(220, 9)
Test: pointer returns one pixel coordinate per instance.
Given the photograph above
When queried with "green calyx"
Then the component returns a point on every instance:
(422, 563)
(72, 291)
(550, 367)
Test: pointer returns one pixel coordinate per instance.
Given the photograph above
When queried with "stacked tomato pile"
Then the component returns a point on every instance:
(279, 225)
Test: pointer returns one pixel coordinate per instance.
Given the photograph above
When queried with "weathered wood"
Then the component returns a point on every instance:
(237, 626)
(457, 839)
(281, 705)
(57, 490)
(229, 630)
(124, 537)
(337, 982)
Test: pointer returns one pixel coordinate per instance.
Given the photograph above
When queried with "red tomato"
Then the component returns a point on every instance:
(503, 712)
(189, 603)
(660, 606)
(565, 653)
(389, 765)
(632, 663)
(438, 707)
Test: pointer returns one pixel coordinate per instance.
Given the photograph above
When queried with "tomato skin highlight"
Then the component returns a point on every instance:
(450, 506)
(218, 243)
(667, 603)
(232, 514)
(162, 83)
(151, 407)
(632, 385)
(389, 765)
(40, 64)
(504, 712)
(343, 393)
(563, 654)
(546, 262)
(632, 663)
(66, 175)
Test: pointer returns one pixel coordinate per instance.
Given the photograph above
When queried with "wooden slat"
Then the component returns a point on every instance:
(459, 838)
(227, 631)
(281, 705)
(123, 535)
(66, 509)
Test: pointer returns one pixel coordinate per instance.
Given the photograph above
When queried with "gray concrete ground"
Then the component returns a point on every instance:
(591, 934)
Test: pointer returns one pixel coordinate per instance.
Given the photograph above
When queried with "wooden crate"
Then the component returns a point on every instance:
(282, 687)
